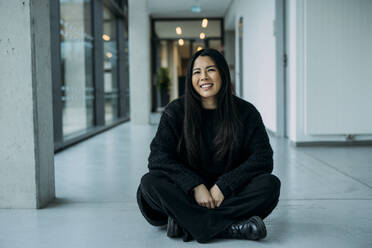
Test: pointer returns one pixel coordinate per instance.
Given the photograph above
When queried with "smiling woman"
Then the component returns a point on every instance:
(210, 161)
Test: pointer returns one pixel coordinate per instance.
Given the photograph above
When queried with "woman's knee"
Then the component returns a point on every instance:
(152, 179)
(271, 183)
(274, 182)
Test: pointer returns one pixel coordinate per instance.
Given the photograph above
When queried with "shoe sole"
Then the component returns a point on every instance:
(261, 226)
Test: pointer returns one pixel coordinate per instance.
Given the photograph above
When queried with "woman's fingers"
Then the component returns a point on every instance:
(208, 204)
(216, 195)
(212, 205)
(203, 196)
(204, 204)
(217, 202)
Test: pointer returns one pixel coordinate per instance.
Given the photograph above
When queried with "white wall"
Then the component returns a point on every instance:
(259, 59)
(139, 62)
(329, 80)
(330, 57)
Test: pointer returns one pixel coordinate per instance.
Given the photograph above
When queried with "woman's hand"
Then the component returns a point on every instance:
(203, 197)
(216, 195)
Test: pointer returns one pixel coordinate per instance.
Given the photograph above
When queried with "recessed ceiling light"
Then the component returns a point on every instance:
(106, 37)
(178, 30)
(181, 42)
(202, 36)
(199, 48)
(205, 23)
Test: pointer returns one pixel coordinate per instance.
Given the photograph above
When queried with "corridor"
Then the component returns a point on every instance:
(326, 198)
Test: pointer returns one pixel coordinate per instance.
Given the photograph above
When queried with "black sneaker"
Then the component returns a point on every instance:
(253, 229)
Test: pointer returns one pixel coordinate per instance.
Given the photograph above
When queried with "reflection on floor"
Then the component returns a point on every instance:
(326, 198)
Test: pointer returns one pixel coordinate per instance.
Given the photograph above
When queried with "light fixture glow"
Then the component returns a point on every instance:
(195, 8)
(181, 42)
(205, 23)
(178, 30)
(202, 36)
(106, 37)
(108, 55)
(199, 48)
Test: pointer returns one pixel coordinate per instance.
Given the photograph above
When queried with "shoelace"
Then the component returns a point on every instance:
(238, 228)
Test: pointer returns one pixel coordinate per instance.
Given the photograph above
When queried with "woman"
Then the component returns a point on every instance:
(210, 162)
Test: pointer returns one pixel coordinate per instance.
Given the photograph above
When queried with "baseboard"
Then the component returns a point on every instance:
(332, 143)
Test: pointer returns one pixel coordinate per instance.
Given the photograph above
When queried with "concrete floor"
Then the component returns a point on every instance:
(326, 198)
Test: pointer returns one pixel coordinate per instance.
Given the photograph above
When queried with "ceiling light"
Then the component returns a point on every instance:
(202, 36)
(205, 23)
(199, 48)
(106, 37)
(181, 42)
(178, 30)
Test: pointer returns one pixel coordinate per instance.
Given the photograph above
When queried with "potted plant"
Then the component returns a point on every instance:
(163, 83)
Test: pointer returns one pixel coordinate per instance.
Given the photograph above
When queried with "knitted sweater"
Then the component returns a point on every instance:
(250, 157)
(209, 169)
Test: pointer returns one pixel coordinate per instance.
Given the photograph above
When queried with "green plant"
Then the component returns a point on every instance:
(163, 78)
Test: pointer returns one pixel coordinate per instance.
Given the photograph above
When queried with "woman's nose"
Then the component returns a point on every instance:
(203, 75)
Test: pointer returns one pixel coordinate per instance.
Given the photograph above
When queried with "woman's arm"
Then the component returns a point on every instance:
(163, 156)
(260, 159)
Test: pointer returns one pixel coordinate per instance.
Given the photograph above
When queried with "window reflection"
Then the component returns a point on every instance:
(77, 66)
(110, 63)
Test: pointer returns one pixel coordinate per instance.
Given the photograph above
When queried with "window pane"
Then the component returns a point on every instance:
(216, 44)
(110, 63)
(77, 66)
(125, 92)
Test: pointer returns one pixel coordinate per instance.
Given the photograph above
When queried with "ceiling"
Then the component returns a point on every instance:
(182, 8)
(190, 29)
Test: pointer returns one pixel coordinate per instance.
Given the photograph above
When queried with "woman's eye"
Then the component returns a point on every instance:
(211, 70)
(196, 72)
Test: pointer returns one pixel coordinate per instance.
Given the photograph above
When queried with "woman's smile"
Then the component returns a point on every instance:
(206, 86)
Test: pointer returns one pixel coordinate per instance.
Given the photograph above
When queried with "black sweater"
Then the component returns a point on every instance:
(253, 155)
(210, 170)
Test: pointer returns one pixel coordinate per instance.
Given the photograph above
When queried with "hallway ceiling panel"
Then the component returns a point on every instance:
(190, 29)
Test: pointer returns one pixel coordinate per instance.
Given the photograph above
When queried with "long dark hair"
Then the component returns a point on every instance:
(229, 123)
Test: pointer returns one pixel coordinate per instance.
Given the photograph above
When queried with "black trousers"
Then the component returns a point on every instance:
(158, 197)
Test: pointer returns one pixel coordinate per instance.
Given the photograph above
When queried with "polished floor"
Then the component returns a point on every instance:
(326, 198)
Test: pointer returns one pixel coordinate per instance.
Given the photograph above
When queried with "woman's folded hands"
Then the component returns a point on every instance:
(208, 198)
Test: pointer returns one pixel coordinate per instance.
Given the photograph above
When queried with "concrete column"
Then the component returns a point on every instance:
(26, 121)
(139, 62)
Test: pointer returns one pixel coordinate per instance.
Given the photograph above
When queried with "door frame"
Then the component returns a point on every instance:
(281, 64)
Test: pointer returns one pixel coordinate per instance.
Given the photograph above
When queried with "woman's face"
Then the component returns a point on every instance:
(206, 78)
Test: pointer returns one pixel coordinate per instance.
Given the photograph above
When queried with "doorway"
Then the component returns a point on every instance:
(174, 41)
(240, 40)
